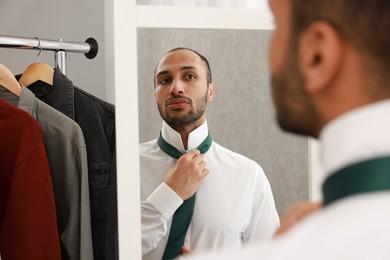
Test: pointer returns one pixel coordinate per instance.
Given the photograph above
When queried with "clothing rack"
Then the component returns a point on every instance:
(60, 47)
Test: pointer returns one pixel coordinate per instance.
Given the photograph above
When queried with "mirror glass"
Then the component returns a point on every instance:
(241, 114)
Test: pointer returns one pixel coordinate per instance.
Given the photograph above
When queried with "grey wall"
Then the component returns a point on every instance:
(71, 20)
(241, 115)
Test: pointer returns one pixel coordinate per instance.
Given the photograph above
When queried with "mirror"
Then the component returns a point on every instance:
(242, 93)
(241, 115)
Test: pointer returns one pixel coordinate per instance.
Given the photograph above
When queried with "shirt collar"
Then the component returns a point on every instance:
(361, 134)
(195, 138)
(8, 96)
(63, 94)
(27, 102)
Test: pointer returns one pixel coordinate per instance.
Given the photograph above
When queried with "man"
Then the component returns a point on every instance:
(234, 202)
(330, 63)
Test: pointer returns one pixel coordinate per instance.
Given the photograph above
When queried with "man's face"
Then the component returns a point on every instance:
(294, 108)
(182, 90)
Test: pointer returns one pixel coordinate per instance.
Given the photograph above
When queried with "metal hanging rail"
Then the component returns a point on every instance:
(89, 47)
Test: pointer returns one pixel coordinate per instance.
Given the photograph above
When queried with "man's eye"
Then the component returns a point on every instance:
(164, 81)
(190, 76)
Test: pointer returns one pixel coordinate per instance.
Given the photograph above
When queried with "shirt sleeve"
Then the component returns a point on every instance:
(265, 219)
(86, 248)
(156, 211)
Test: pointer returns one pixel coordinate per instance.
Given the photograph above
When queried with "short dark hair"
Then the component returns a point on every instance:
(363, 23)
(203, 58)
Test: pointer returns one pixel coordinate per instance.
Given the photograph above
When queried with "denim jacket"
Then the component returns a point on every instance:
(97, 121)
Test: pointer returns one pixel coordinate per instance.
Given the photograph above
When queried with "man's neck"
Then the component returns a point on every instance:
(185, 131)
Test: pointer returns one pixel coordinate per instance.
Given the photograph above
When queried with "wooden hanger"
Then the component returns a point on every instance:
(37, 71)
(8, 80)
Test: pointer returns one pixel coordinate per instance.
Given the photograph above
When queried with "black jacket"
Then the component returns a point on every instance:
(97, 121)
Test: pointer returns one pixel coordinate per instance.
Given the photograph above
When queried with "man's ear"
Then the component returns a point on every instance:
(320, 56)
(210, 93)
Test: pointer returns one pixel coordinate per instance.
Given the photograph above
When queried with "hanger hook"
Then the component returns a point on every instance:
(39, 46)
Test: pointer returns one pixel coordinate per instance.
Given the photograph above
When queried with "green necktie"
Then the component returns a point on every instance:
(368, 176)
(182, 217)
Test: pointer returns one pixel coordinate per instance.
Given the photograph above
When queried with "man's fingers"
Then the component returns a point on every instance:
(303, 209)
(295, 214)
(203, 164)
(193, 154)
(205, 172)
(185, 250)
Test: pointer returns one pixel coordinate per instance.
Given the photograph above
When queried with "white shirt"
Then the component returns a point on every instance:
(234, 204)
(356, 227)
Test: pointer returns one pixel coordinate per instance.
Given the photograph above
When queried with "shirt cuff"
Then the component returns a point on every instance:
(165, 200)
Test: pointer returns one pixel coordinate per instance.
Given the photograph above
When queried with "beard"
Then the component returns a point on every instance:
(190, 118)
(295, 110)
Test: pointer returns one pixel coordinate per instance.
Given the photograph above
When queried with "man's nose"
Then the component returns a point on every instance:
(177, 87)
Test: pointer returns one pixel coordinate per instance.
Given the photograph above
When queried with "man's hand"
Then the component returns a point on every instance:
(187, 175)
(295, 214)
(185, 251)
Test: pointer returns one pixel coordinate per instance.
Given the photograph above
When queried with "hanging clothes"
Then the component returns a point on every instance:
(66, 152)
(28, 226)
(97, 121)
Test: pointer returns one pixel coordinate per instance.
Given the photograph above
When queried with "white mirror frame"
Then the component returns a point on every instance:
(121, 69)
(123, 17)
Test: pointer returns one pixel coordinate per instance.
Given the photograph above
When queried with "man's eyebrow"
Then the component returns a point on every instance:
(164, 72)
(188, 68)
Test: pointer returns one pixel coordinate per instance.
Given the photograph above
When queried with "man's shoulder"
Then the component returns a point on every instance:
(233, 156)
(147, 145)
(149, 148)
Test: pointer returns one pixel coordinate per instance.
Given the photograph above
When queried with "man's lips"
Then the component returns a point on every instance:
(177, 102)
